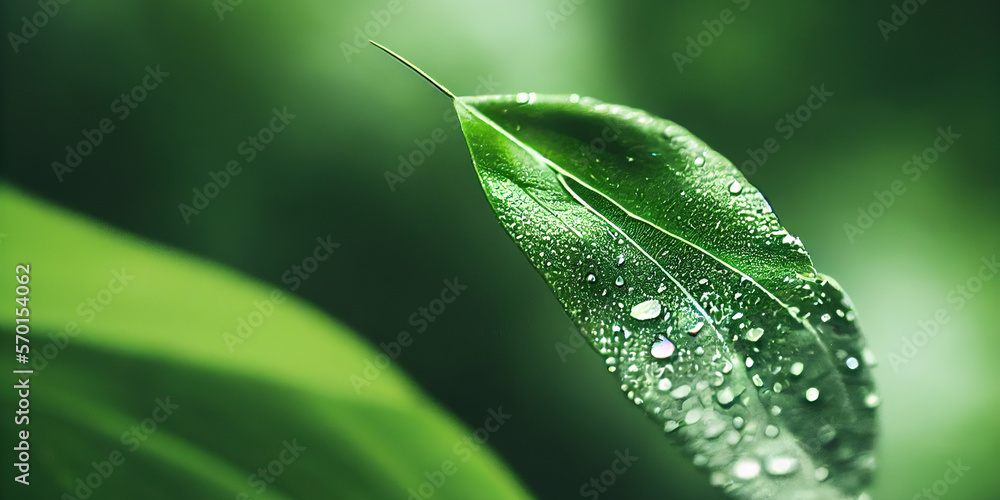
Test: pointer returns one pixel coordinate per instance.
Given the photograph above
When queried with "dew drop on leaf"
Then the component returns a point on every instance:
(681, 392)
(821, 473)
(725, 396)
(746, 468)
(662, 348)
(812, 394)
(692, 416)
(781, 466)
(872, 400)
(646, 310)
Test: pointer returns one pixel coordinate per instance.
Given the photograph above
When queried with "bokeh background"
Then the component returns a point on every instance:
(357, 110)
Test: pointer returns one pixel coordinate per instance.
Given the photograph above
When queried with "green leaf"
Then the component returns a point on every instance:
(154, 339)
(677, 272)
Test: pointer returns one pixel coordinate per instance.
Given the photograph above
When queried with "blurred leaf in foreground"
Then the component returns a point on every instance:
(136, 393)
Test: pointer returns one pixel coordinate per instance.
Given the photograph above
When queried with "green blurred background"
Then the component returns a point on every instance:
(496, 345)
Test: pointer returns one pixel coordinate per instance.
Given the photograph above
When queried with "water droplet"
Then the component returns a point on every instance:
(692, 416)
(522, 98)
(746, 468)
(728, 367)
(574, 98)
(872, 400)
(619, 281)
(824, 318)
(646, 310)
(735, 187)
(776, 410)
(757, 381)
(796, 368)
(664, 384)
(778, 387)
(699, 161)
(869, 357)
(671, 425)
(662, 348)
(749, 362)
(738, 423)
(661, 288)
(717, 479)
(591, 277)
(696, 328)
(771, 431)
(738, 315)
(621, 260)
(812, 394)
(681, 392)
(754, 335)
(821, 473)
(733, 437)
(780, 466)
(852, 363)
(714, 428)
(725, 396)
